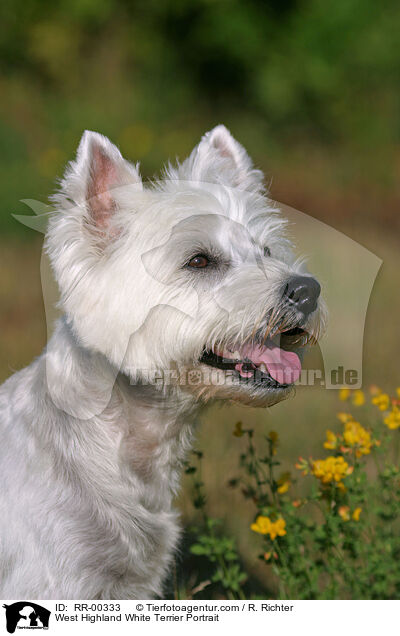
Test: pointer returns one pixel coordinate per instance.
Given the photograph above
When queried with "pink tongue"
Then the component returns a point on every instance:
(283, 366)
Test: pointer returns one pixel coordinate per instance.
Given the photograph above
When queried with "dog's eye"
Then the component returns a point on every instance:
(199, 261)
(267, 251)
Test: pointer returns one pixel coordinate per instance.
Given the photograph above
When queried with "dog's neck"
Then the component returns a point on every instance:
(138, 433)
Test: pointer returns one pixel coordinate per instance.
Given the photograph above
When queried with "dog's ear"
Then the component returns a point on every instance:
(96, 177)
(219, 157)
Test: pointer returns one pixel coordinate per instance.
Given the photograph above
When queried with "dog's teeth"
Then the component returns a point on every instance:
(232, 354)
(263, 368)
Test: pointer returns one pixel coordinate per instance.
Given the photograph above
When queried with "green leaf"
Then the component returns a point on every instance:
(198, 549)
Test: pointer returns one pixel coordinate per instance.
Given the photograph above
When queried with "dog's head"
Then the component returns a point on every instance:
(191, 277)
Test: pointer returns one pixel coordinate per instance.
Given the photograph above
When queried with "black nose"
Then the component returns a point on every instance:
(303, 292)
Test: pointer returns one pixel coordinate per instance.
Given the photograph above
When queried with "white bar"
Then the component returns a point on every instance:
(296, 618)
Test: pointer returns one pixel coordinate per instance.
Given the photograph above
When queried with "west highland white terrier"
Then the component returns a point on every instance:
(174, 295)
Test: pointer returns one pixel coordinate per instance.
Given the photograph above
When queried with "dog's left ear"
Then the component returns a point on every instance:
(97, 177)
(219, 157)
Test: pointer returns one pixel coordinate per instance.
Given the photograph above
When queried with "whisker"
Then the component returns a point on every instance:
(271, 323)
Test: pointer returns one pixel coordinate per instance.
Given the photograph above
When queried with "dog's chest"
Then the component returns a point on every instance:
(127, 515)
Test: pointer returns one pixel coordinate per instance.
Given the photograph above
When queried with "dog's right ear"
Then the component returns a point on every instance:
(96, 177)
(220, 158)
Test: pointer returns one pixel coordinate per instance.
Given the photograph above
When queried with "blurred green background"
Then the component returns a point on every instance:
(311, 90)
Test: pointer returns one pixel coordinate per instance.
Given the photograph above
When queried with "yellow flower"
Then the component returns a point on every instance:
(374, 390)
(278, 529)
(345, 417)
(261, 525)
(264, 525)
(356, 435)
(392, 420)
(283, 483)
(274, 439)
(382, 401)
(330, 469)
(344, 394)
(331, 440)
(344, 513)
(356, 514)
(358, 398)
(238, 431)
(284, 488)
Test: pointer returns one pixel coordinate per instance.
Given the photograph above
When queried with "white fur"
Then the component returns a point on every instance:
(91, 454)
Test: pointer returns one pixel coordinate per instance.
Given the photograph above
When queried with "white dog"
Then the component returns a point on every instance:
(174, 295)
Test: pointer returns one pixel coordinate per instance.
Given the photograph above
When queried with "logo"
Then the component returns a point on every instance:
(26, 615)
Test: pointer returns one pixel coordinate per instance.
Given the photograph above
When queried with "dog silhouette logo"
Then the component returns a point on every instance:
(26, 615)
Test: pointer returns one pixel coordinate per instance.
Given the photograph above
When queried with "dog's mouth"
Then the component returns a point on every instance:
(274, 363)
